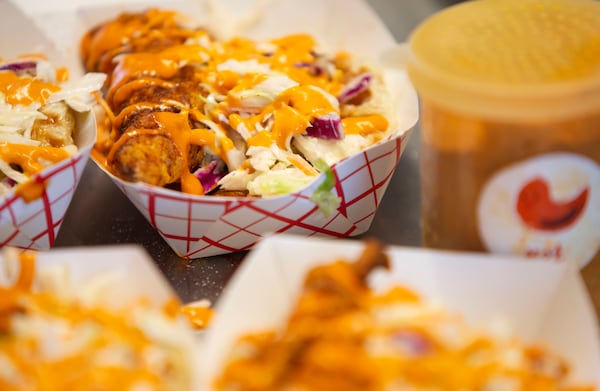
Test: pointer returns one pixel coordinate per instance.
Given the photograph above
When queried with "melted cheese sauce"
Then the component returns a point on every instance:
(233, 69)
(199, 315)
(95, 346)
(113, 34)
(31, 159)
(25, 90)
(342, 335)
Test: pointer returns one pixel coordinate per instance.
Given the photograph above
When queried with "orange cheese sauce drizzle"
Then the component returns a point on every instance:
(31, 159)
(342, 335)
(228, 74)
(89, 335)
(25, 90)
(21, 89)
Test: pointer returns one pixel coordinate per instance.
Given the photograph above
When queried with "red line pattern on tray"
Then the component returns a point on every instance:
(199, 227)
(35, 225)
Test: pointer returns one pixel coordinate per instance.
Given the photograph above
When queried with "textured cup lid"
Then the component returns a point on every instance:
(529, 52)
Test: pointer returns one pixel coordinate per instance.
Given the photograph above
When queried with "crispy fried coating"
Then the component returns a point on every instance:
(142, 85)
(101, 44)
(154, 42)
(333, 288)
(139, 126)
(331, 293)
(182, 90)
(329, 278)
(141, 117)
(147, 156)
(140, 90)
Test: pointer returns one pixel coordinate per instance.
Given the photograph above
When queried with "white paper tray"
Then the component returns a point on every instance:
(201, 226)
(544, 301)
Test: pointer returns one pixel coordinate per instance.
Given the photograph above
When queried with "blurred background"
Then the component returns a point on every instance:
(402, 16)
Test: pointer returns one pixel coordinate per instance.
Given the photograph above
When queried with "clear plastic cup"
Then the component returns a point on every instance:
(510, 128)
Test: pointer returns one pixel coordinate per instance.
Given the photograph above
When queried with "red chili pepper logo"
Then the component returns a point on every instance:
(539, 211)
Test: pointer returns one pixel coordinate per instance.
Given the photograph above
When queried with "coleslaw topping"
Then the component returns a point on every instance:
(341, 334)
(268, 109)
(37, 121)
(57, 336)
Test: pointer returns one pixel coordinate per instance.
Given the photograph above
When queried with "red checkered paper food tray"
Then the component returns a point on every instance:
(201, 226)
(35, 224)
(195, 226)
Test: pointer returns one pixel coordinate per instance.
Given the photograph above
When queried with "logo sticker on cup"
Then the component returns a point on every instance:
(546, 206)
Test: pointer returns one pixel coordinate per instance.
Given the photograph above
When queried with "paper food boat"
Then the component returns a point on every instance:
(544, 301)
(82, 264)
(199, 226)
(106, 272)
(36, 224)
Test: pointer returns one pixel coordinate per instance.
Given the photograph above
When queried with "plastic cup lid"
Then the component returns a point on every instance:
(528, 55)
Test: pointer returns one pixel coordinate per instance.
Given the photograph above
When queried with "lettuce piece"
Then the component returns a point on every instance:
(323, 196)
(278, 182)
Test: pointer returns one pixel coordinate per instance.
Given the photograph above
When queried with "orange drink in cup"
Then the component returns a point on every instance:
(510, 121)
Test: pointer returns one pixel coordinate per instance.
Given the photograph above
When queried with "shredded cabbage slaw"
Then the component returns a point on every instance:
(33, 94)
(274, 107)
(58, 336)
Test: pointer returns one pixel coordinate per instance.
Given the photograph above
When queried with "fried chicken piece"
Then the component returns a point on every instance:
(372, 257)
(149, 156)
(57, 129)
(182, 90)
(155, 41)
(140, 116)
(144, 148)
(111, 35)
(147, 90)
(330, 291)
(339, 286)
